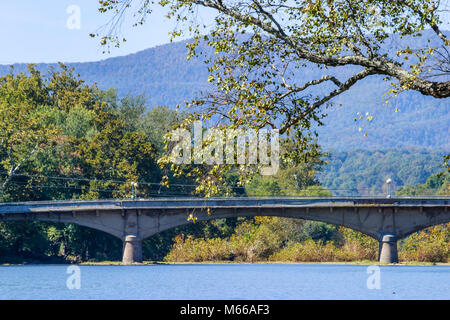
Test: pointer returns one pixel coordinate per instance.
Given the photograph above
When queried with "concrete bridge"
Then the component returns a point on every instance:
(385, 219)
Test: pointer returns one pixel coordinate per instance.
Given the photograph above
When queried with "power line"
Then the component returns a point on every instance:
(164, 193)
(161, 191)
(149, 183)
(109, 181)
(58, 187)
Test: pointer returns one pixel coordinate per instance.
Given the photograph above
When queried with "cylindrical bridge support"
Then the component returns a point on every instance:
(132, 249)
(388, 249)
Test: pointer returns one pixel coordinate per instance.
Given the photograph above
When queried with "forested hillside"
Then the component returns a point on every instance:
(364, 172)
(164, 77)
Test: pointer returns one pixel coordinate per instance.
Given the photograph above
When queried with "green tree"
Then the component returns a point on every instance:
(431, 244)
(157, 122)
(63, 139)
(117, 155)
(25, 126)
(438, 184)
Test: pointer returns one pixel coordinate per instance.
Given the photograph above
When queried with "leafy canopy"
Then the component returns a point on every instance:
(264, 48)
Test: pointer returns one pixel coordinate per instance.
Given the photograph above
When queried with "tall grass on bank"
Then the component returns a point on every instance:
(429, 245)
(354, 247)
(188, 249)
(263, 242)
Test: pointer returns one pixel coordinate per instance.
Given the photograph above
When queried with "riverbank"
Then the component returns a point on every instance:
(364, 262)
(151, 263)
(223, 262)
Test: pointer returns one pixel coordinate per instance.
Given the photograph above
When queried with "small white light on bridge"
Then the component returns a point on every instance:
(388, 182)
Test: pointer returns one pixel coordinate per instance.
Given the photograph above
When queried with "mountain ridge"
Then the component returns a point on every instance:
(165, 77)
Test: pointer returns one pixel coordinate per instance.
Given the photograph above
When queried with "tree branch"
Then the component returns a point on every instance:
(378, 66)
(343, 87)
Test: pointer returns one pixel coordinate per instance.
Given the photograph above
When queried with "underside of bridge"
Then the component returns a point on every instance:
(386, 220)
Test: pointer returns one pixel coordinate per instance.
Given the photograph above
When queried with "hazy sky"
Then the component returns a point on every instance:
(37, 31)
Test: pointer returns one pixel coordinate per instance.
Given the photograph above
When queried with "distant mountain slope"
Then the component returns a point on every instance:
(161, 73)
(364, 172)
(164, 76)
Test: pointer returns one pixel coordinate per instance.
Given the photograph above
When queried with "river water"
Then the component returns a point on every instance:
(225, 282)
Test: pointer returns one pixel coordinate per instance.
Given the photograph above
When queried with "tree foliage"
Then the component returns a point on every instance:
(260, 45)
(64, 139)
(25, 126)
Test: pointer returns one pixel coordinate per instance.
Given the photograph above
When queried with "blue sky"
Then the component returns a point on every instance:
(36, 31)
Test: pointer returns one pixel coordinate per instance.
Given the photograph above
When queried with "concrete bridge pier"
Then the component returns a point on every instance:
(132, 249)
(388, 248)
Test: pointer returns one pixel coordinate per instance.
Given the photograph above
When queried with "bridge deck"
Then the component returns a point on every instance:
(254, 202)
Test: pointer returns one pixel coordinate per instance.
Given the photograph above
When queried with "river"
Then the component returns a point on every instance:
(224, 281)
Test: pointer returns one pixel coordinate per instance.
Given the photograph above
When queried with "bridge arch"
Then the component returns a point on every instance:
(100, 242)
(86, 221)
(183, 220)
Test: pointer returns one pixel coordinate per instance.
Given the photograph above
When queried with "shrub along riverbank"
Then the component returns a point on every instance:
(261, 242)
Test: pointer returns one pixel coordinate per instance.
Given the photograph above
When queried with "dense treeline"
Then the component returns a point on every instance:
(64, 139)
